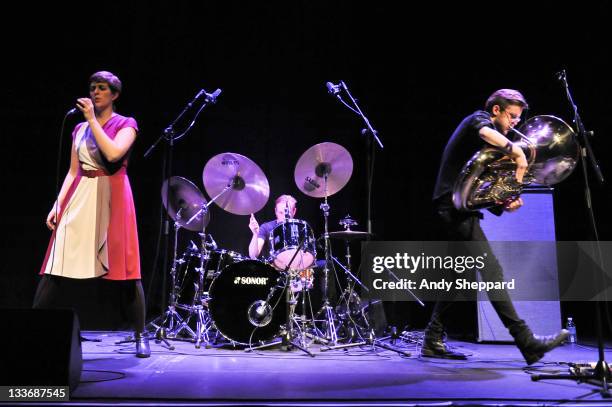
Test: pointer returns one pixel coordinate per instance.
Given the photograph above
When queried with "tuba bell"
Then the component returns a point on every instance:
(489, 177)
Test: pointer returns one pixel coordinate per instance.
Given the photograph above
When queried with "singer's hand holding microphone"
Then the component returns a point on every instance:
(85, 106)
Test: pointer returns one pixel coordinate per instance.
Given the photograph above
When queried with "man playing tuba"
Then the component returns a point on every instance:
(490, 126)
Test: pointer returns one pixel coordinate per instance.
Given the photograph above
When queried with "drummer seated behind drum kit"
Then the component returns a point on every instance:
(283, 235)
(244, 300)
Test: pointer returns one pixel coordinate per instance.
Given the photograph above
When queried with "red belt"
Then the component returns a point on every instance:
(99, 173)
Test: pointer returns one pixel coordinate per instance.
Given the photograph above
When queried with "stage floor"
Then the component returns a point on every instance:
(494, 374)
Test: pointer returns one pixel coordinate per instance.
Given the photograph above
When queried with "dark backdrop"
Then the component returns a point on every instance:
(415, 73)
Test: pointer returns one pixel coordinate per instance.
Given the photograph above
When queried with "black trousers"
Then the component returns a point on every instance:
(458, 226)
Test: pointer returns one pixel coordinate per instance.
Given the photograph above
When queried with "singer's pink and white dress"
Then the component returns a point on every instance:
(96, 234)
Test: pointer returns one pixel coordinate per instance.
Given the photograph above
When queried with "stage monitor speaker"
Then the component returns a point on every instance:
(532, 222)
(40, 348)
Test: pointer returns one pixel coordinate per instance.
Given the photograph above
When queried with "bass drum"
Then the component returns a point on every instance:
(238, 306)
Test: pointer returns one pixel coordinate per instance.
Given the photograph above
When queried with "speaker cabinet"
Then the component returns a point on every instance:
(40, 348)
(532, 222)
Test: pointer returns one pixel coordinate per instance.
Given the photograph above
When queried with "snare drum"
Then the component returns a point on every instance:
(284, 241)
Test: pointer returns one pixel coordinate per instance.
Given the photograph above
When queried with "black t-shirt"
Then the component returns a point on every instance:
(461, 146)
(264, 233)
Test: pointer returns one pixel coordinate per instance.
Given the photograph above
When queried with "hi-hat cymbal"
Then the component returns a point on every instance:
(182, 201)
(349, 234)
(249, 188)
(319, 161)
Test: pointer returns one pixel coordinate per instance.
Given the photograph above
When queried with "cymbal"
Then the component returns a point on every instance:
(183, 201)
(321, 160)
(249, 190)
(349, 234)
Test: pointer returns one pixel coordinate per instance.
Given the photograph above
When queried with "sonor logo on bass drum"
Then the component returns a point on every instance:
(251, 280)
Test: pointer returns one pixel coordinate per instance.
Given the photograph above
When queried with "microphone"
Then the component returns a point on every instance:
(73, 111)
(212, 98)
(560, 76)
(333, 89)
(260, 311)
(286, 210)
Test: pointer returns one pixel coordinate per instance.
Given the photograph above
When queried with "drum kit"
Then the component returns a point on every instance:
(220, 296)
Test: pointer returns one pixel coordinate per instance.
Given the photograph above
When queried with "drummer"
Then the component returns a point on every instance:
(285, 207)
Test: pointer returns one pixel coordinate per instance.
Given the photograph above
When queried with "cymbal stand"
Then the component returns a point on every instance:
(287, 338)
(330, 335)
(368, 337)
(203, 322)
(170, 320)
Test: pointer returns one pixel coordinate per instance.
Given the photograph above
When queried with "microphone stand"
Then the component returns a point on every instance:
(370, 150)
(169, 134)
(601, 374)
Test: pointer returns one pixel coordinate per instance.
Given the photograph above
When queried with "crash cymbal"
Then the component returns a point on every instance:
(324, 159)
(249, 190)
(182, 201)
(349, 234)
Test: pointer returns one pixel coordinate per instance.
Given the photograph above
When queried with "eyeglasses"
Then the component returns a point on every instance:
(513, 116)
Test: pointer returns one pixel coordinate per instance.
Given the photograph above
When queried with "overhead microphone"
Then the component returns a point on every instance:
(332, 89)
(212, 97)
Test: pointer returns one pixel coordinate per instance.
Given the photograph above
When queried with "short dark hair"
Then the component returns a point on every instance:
(107, 77)
(505, 97)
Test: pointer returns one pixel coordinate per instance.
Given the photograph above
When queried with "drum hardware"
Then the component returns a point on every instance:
(199, 304)
(198, 308)
(167, 323)
(349, 305)
(320, 172)
(183, 202)
(350, 310)
(264, 312)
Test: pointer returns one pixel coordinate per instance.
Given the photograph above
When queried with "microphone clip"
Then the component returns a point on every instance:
(334, 90)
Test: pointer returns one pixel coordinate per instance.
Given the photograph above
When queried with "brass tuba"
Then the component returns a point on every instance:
(489, 177)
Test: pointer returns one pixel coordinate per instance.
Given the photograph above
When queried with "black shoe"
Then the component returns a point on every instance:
(142, 345)
(437, 348)
(536, 346)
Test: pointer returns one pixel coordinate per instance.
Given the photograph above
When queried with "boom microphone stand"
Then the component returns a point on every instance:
(601, 373)
(170, 135)
(369, 132)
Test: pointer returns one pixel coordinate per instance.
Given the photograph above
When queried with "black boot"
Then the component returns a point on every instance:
(533, 347)
(435, 347)
(142, 345)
